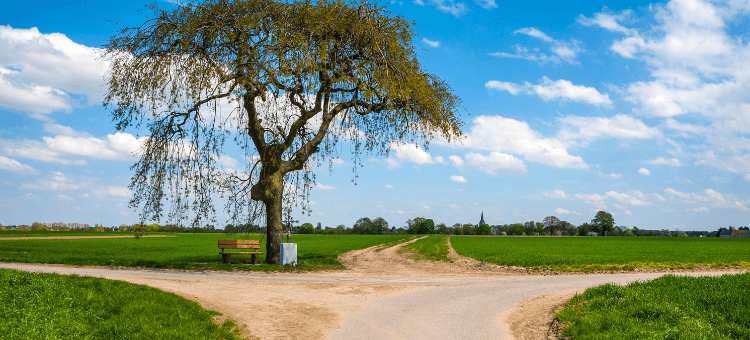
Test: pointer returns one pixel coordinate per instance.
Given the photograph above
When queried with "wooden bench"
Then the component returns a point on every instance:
(239, 244)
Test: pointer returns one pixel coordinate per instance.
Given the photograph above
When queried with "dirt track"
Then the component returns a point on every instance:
(383, 295)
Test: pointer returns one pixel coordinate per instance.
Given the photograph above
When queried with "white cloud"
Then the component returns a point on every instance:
(620, 126)
(644, 171)
(405, 152)
(425, 207)
(59, 149)
(699, 209)
(663, 161)
(457, 9)
(609, 176)
(112, 192)
(434, 44)
(557, 193)
(337, 161)
(505, 135)
(64, 198)
(561, 50)
(608, 21)
(323, 187)
(58, 129)
(457, 161)
(496, 163)
(389, 186)
(598, 201)
(42, 73)
(709, 196)
(312, 203)
(56, 181)
(562, 211)
(534, 32)
(634, 199)
(453, 205)
(486, 4)
(458, 179)
(554, 90)
(13, 165)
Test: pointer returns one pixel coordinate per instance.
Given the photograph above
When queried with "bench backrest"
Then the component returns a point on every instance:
(255, 244)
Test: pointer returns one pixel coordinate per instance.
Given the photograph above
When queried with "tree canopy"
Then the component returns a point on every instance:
(286, 81)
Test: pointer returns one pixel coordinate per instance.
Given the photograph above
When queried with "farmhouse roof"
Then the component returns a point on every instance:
(741, 233)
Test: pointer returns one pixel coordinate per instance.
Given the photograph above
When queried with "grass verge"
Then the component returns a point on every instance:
(394, 242)
(669, 307)
(593, 254)
(433, 248)
(186, 251)
(52, 306)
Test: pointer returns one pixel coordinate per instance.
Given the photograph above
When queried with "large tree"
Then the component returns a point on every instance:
(603, 221)
(286, 80)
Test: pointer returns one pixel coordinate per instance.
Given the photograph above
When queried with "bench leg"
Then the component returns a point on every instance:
(254, 258)
(226, 258)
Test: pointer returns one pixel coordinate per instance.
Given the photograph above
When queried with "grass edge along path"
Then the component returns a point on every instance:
(603, 254)
(53, 306)
(394, 242)
(186, 251)
(669, 307)
(432, 247)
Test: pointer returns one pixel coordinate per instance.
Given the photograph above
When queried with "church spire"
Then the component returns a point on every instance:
(481, 219)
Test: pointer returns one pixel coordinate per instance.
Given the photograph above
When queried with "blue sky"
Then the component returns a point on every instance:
(637, 108)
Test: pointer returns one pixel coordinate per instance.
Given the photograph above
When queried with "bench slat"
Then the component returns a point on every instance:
(239, 242)
(241, 246)
(241, 252)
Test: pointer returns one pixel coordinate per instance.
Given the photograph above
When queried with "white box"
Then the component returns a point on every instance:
(288, 254)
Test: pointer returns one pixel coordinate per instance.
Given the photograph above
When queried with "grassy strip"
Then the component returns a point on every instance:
(590, 254)
(670, 307)
(394, 242)
(433, 248)
(18, 233)
(52, 306)
(186, 251)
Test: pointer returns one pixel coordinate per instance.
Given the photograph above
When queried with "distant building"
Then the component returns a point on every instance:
(697, 234)
(481, 219)
(725, 233)
(738, 234)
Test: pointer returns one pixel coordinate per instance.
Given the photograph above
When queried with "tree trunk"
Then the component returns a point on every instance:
(274, 227)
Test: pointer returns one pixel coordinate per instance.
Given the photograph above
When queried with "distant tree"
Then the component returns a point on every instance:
(43, 228)
(443, 229)
(743, 228)
(468, 229)
(379, 226)
(551, 224)
(319, 227)
(362, 226)
(483, 229)
(229, 229)
(603, 221)
(306, 228)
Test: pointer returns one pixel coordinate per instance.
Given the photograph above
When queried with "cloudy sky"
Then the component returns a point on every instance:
(639, 109)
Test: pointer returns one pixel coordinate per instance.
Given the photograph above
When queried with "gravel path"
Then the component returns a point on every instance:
(384, 295)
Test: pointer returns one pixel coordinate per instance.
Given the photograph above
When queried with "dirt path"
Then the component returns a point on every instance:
(383, 295)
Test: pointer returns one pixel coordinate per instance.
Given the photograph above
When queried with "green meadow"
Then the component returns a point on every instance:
(587, 254)
(669, 307)
(51, 306)
(181, 251)
(433, 247)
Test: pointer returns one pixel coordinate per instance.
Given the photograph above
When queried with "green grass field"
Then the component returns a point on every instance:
(669, 307)
(185, 251)
(50, 306)
(433, 247)
(18, 233)
(587, 254)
